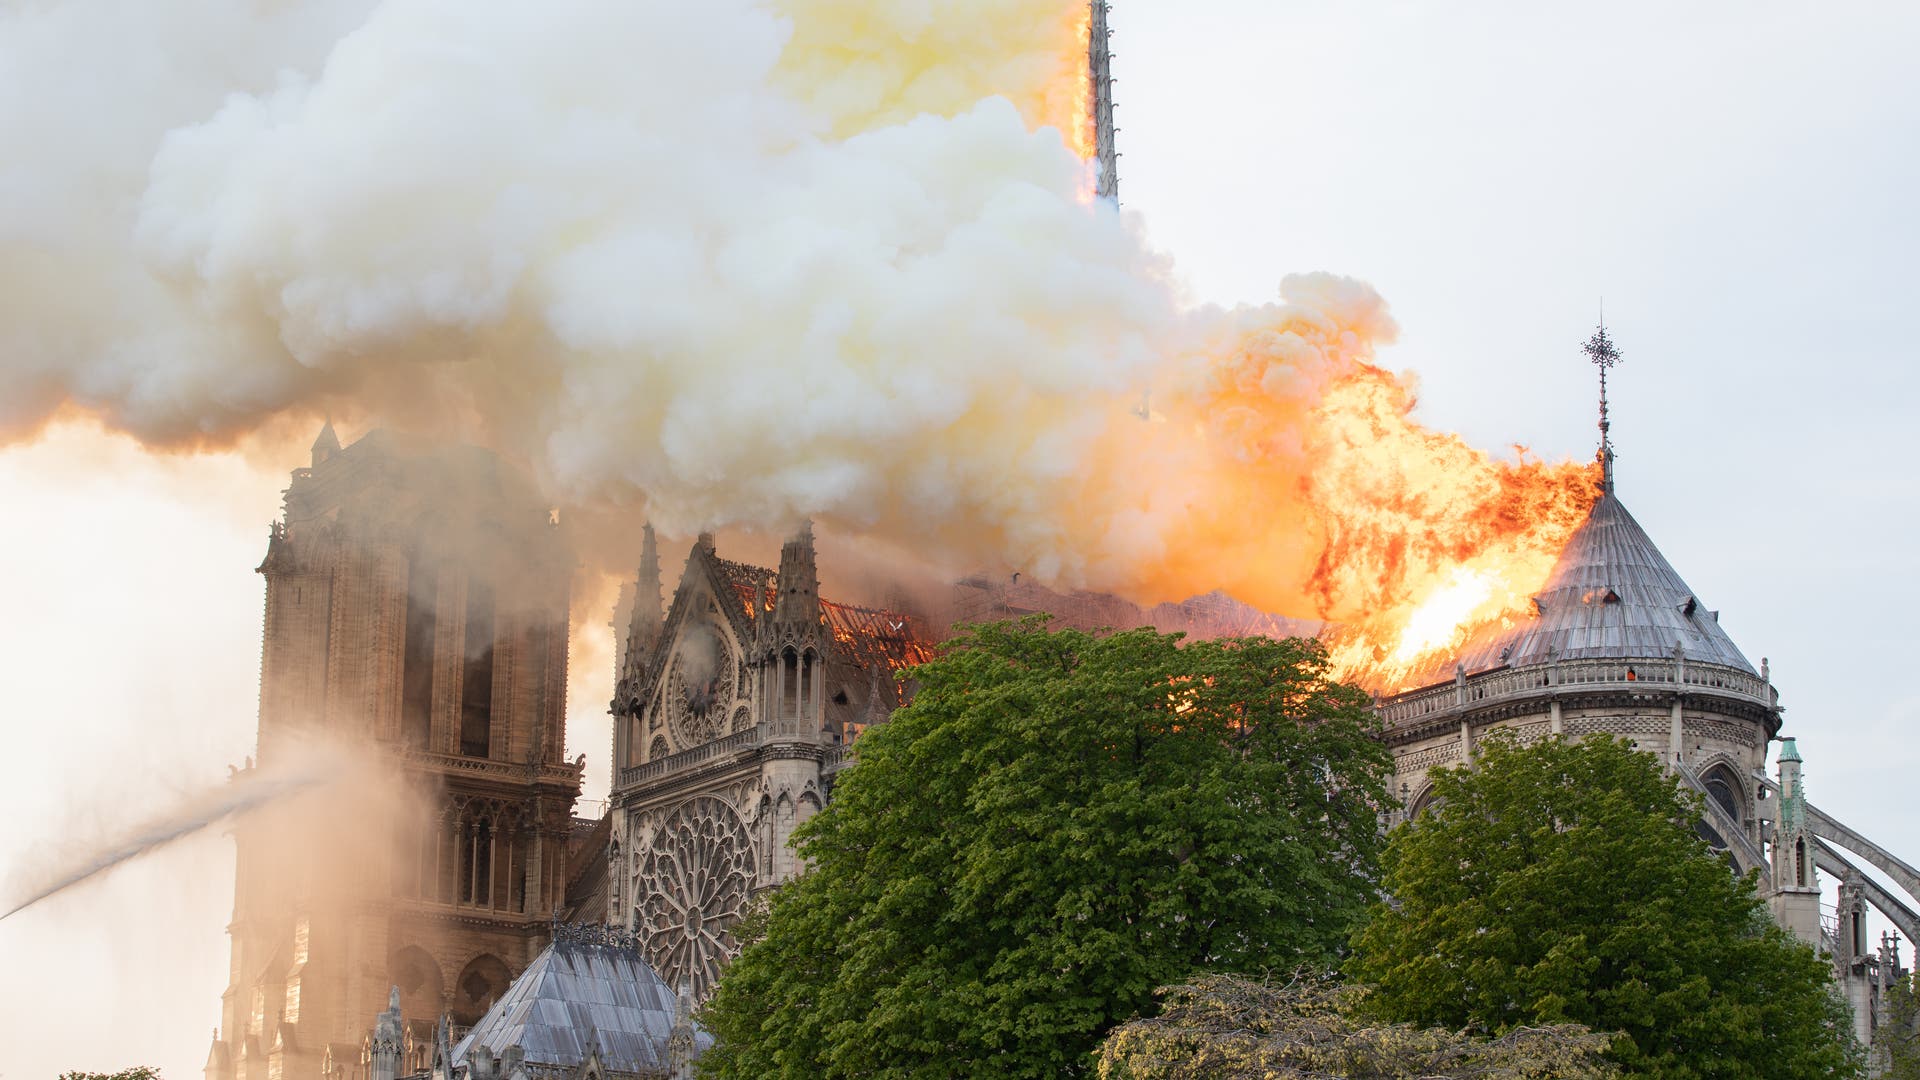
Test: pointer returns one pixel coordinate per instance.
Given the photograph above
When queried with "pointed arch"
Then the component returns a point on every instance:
(480, 984)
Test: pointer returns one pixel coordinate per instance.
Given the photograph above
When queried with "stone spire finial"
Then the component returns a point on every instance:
(680, 1041)
(389, 1033)
(797, 607)
(649, 610)
(1600, 350)
(326, 444)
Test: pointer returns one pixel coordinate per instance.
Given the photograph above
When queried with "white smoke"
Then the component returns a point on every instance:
(745, 262)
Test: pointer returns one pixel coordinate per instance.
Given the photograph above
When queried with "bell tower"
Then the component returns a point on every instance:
(416, 621)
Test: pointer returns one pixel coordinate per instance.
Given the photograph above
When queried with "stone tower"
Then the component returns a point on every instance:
(416, 617)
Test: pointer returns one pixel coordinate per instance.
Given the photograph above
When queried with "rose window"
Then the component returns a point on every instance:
(695, 876)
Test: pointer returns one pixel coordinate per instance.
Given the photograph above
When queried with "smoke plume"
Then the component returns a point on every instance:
(742, 262)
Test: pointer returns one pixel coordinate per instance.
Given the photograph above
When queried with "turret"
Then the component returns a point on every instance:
(388, 1037)
(326, 445)
(680, 1041)
(1796, 894)
(793, 644)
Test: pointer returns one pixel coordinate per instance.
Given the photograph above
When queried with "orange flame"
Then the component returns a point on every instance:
(1065, 100)
(1298, 481)
(1428, 539)
(1079, 126)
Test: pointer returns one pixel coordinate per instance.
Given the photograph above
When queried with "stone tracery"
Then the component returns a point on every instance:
(694, 877)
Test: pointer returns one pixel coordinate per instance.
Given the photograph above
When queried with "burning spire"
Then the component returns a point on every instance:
(1100, 75)
(1599, 349)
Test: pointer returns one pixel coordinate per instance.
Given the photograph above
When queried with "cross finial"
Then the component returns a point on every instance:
(1599, 349)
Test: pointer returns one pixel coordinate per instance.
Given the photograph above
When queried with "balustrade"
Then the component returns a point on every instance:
(790, 730)
(1587, 674)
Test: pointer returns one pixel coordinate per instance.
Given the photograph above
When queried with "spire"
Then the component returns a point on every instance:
(1599, 349)
(1796, 883)
(326, 444)
(797, 607)
(649, 612)
(1100, 75)
(680, 1040)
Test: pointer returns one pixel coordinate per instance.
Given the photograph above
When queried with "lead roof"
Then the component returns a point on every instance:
(1612, 594)
(575, 992)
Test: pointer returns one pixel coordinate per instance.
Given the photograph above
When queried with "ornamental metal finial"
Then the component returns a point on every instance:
(1599, 349)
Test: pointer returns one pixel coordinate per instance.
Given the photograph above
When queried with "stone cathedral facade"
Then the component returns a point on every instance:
(734, 710)
(416, 612)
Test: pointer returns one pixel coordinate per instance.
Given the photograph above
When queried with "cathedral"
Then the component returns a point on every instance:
(417, 609)
(417, 605)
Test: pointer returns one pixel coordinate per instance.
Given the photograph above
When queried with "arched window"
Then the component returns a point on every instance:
(806, 683)
(421, 985)
(1799, 862)
(416, 665)
(476, 684)
(480, 984)
(476, 861)
(1727, 792)
(789, 683)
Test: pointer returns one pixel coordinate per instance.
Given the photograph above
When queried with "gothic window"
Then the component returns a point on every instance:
(789, 683)
(1724, 790)
(1799, 862)
(413, 970)
(658, 749)
(742, 719)
(480, 984)
(694, 878)
(476, 861)
(806, 681)
(476, 685)
(416, 667)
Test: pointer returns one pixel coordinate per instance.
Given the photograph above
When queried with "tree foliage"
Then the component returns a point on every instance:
(1058, 824)
(1222, 1027)
(1896, 1041)
(1561, 883)
(138, 1072)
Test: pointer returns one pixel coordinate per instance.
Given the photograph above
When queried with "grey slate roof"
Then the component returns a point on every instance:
(1611, 594)
(575, 991)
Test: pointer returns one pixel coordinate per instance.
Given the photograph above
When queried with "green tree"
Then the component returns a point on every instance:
(138, 1072)
(1563, 883)
(1896, 1041)
(1058, 824)
(1222, 1027)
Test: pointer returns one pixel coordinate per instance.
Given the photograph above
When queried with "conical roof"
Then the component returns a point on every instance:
(1612, 594)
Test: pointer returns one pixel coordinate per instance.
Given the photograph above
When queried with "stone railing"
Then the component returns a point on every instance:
(774, 731)
(504, 770)
(1539, 680)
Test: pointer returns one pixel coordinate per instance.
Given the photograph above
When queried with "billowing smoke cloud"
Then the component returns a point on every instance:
(746, 262)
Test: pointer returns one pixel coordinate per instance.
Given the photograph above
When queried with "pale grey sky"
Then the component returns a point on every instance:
(1735, 179)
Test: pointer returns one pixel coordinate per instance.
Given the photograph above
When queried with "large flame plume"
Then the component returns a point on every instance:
(742, 262)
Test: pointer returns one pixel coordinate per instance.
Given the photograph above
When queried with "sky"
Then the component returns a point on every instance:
(1732, 180)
